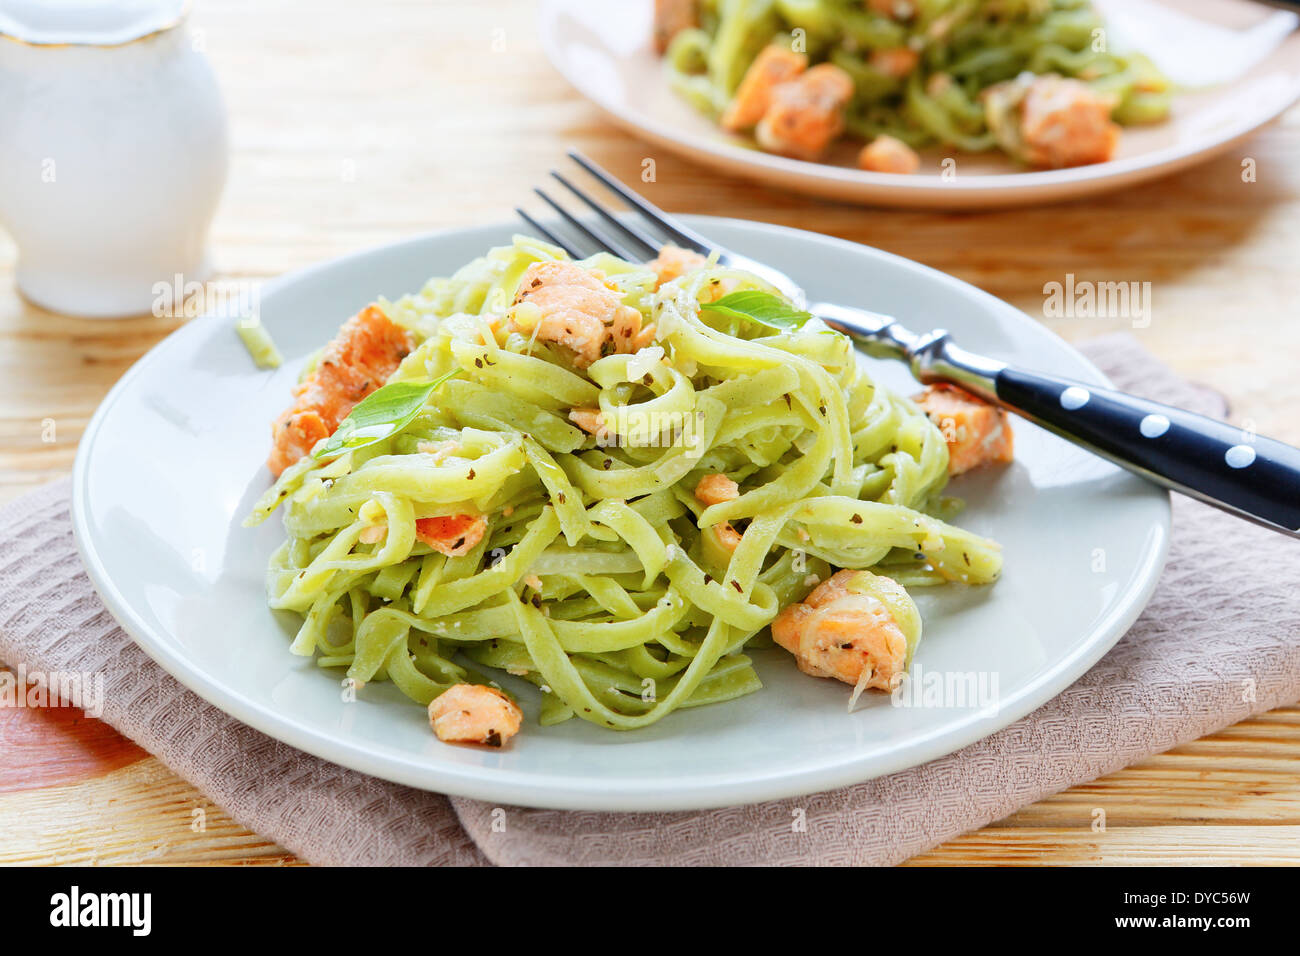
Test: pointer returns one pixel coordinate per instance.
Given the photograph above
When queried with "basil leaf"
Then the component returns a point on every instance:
(761, 307)
(381, 414)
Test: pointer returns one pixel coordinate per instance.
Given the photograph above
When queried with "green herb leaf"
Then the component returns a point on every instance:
(761, 307)
(381, 414)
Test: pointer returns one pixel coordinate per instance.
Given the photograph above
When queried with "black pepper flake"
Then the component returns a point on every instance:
(493, 739)
(966, 557)
(786, 396)
(470, 476)
(478, 363)
(736, 585)
(536, 600)
(459, 542)
(560, 497)
(821, 410)
(607, 463)
(648, 380)
(708, 579)
(856, 519)
(846, 647)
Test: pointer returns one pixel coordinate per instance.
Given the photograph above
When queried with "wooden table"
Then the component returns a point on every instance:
(355, 128)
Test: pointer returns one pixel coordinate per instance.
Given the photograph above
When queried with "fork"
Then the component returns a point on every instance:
(1250, 476)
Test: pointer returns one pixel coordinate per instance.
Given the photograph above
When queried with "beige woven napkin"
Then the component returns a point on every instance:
(1220, 641)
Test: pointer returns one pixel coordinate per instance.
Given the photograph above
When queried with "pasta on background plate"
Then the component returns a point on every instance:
(1035, 79)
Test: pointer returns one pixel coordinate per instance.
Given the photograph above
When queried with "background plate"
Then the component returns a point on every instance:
(603, 49)
(173, 460)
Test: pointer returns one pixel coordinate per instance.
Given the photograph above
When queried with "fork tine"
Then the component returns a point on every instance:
(684, 235)
(642, 239)
(550, 236)
(601, 241)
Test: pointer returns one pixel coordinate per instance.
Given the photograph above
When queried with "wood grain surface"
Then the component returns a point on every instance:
(355, 124)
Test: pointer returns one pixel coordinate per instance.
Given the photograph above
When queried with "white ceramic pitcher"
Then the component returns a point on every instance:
(113, 151)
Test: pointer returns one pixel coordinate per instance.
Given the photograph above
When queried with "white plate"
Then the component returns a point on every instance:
(603, 49)
(173, 460)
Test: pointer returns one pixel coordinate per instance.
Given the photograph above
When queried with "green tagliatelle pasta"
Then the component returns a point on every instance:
(258, 341)
(600, 578)
(963, 47)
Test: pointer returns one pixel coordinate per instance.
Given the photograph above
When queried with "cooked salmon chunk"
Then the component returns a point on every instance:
(474, 714)
(671, 18)
(1065, 123)
(773, 66)
(366, 351)
(588, 419)
(726, 535)
(893, 9)
(885, 154)
(578, 310)
(715, 489)
(896, 62)
(841, 631)
(977, 433)
(674, 262)
(452, 535)
(806, 114)
(1051, 121)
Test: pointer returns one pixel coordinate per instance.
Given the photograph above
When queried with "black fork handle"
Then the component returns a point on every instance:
(1248, 475)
